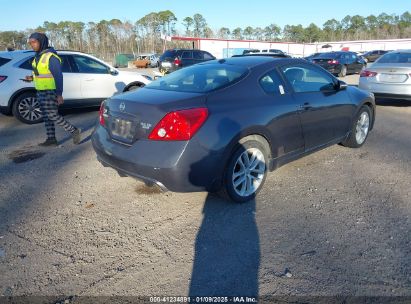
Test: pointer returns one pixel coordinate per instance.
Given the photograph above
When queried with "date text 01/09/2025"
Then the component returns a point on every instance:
(202, 299)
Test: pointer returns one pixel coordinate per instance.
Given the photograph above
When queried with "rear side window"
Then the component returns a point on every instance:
(328, 55)
(272, 84)
(395, 58)
(199, 78)
(3, 61)
(187, 55)
(198, 55)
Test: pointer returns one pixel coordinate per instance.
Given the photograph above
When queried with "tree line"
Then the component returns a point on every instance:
(106, 38)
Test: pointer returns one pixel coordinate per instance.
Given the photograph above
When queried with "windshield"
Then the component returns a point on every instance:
(395, 57)
(199, 78)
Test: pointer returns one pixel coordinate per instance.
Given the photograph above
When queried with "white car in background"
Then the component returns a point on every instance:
(389, 76)
(87, 81)
(151, 57)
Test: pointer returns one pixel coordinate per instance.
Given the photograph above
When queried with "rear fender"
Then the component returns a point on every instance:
(18, 93)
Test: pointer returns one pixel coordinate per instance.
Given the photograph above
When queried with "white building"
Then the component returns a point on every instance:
(223, 48)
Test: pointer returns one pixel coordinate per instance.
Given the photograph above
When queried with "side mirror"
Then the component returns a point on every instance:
(113, 72)
(341, 85)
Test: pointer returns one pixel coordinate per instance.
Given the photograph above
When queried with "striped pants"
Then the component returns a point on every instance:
(49, 109)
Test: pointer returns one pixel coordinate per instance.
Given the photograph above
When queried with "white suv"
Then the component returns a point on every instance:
(87, 81)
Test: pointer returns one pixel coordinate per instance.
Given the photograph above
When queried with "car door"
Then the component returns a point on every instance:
(325, 110)
(97, 82)
(71, 81)
(286, 134)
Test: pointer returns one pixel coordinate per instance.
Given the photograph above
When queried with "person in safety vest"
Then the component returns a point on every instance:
(48, 81)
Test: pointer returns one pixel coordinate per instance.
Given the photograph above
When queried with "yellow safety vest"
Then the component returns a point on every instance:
(44, 80)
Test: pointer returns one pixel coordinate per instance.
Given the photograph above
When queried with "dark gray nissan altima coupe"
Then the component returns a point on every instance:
(223, 124)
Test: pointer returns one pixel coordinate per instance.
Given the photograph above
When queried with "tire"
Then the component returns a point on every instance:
(243, 179)
(359, 129)
(26, 108)
(343, 71)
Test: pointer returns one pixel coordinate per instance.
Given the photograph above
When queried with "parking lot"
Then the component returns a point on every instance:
(337, 222)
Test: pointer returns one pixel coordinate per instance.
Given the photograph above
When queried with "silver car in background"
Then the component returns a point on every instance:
(389, 76)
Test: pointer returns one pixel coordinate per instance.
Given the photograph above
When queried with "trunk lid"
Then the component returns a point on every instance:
(132, 116)
(393, 73)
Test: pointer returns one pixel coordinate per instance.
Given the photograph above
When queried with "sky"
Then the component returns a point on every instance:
(18, 15)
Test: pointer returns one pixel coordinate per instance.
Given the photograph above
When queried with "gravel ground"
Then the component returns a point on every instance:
(337, 222)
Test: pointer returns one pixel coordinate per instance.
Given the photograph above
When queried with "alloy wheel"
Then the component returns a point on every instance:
(248, 172)
(362, 127)
(29, 109)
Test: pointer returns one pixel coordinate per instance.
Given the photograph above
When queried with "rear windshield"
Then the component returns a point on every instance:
(199, 78)
(328, 56)
(168, 54)
(395, 57)
(3, 60)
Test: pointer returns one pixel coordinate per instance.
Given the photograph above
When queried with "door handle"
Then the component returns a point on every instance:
(89, 79)
(305, 106)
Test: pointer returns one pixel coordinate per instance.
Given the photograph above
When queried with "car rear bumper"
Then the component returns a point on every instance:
(179, 166)
(383, 90)
(333, 69)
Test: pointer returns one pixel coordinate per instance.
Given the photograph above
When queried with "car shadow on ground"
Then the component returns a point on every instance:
(65, 112)
(393, 103)
(227, 250)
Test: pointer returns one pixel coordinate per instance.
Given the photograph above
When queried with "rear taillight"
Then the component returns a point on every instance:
(367, 73)
(333, 61)
(102, 114)
(2, 78)
(179, 125)
(177, 61)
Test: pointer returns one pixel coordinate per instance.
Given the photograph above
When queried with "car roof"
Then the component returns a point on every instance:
(253, 61)
(15, 54)
(20, 53)
(334, 53)
(268, 54)
(178, 49)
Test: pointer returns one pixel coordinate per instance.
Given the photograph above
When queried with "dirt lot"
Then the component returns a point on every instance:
(337, 222)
